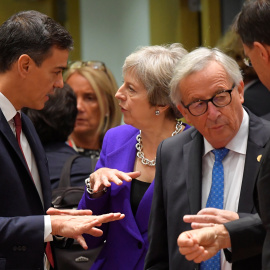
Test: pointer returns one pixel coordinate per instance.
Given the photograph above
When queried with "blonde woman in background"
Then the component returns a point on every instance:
(98, 110)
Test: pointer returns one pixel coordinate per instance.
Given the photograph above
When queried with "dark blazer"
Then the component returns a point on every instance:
(57, 154)
(257, 99)
(263, 186)
(178, 192)
(21, 211)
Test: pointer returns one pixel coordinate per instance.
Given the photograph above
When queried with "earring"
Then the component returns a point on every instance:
(157, 112)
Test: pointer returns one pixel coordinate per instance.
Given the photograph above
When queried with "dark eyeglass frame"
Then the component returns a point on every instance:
(247, 62)
(212, 99)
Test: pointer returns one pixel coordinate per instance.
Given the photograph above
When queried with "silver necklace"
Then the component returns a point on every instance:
(139, 146)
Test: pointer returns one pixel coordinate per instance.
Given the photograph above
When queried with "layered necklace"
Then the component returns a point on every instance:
(139, 146)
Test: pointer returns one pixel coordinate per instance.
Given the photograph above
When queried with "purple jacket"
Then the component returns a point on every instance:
(126, 240)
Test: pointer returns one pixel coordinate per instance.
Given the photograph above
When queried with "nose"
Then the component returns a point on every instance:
(212, 111)
(59, 83)
(120, 93)
(80, 106)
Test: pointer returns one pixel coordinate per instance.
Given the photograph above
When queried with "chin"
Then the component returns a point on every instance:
(36, 106)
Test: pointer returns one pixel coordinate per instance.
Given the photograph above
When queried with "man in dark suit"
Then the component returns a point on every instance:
(34, 51)
(252, 26)
(208, 89)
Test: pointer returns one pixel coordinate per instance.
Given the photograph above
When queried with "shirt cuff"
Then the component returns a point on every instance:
(47, 229)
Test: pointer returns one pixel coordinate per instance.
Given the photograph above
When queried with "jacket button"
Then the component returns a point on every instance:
(140, 245)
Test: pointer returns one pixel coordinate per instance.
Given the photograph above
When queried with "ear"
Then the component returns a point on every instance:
(23, 64)
(183, 111)
(263, 51)
(240, 89)
(161, 108)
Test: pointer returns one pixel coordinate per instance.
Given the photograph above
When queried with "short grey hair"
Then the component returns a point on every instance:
(196, 61)
(153, 66)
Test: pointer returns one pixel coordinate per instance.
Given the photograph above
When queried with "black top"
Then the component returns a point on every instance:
(138, 188)
(93, 154)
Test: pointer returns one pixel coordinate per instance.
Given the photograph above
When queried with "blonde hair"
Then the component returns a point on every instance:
(105, 86)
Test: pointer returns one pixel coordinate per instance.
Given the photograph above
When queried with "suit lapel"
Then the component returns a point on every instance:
(40, 159)
(258, 137)
(193, 163)
(11, 139)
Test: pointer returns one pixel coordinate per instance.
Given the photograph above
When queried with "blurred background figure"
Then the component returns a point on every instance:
(54, 123)
(98, 110)
(129, 153)
(256, 95)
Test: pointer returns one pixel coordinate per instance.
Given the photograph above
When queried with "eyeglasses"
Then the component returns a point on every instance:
(247, 62)
(221, 99)
(98, 65)
(93, 64)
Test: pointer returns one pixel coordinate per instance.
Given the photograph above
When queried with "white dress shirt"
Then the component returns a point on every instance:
(233, 165)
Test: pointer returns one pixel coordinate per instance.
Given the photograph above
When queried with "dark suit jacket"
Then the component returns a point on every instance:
(178, 192)
(263, 186)
(21, 211)
(257, 99)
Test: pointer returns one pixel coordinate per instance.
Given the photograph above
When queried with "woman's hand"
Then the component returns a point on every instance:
(104, 176)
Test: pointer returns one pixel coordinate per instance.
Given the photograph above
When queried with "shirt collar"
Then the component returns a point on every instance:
(239, 142)
(7, 108)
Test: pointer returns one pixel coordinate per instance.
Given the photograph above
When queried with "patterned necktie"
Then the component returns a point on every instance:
(215, 199)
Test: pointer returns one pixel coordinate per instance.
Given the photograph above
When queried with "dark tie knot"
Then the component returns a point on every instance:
(220, 153)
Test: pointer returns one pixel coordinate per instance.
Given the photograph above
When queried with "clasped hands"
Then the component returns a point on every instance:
(208, 235)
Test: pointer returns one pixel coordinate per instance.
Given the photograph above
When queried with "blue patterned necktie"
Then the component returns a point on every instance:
(215, 199)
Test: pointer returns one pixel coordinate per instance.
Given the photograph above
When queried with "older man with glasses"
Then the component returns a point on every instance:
(252, 25)
(206, 176)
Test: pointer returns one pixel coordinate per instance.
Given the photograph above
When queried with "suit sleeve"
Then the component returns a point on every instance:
(247, 236)
(157, 255)
(263, 187)
(22, 236)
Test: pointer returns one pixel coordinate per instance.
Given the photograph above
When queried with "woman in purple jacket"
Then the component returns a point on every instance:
(129, 151)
